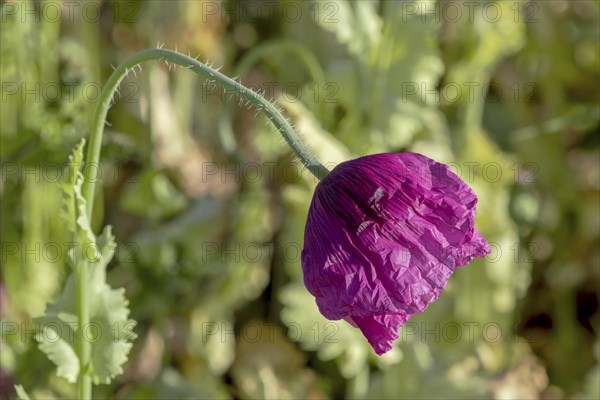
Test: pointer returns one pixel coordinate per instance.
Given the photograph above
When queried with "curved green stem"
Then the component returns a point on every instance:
(304, 55)
(280, 122)
(307, 58)
(84, 383)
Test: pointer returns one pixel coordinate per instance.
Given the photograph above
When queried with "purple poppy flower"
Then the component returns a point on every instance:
(383, 235)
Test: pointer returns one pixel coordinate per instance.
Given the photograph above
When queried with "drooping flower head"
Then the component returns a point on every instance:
(384, 234)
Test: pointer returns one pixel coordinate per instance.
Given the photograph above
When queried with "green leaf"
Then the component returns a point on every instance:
(84, 228)
(21, 393)
(154, 196)
(355, 24)
(70, 173)
(59, 351)
(110, 330)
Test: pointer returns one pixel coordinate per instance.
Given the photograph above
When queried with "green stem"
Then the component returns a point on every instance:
(84, 347)
(282, 125)
(472, 114)
(84, 383)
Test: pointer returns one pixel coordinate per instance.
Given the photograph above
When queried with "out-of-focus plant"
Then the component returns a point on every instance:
(536, 124)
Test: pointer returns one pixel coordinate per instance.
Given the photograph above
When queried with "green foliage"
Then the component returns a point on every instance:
(375, 82)
(21, 393)
(272, 367)
(110, 330)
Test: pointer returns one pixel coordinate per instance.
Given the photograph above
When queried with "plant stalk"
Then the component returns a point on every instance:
(230, 85)
(84, 382)
(84, 347)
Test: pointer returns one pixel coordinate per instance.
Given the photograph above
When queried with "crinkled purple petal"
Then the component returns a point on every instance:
(380, 330)
(384, 234)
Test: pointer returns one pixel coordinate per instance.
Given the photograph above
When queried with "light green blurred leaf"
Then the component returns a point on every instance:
(153, 195)
(21, 393)
(355, 23)
(269, 366)
(60, 351)
(382, 89)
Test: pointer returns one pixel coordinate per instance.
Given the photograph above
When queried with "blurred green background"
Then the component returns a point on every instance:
(208, 205)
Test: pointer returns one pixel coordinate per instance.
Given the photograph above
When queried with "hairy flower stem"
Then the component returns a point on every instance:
(93, 156)
(262, 104)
